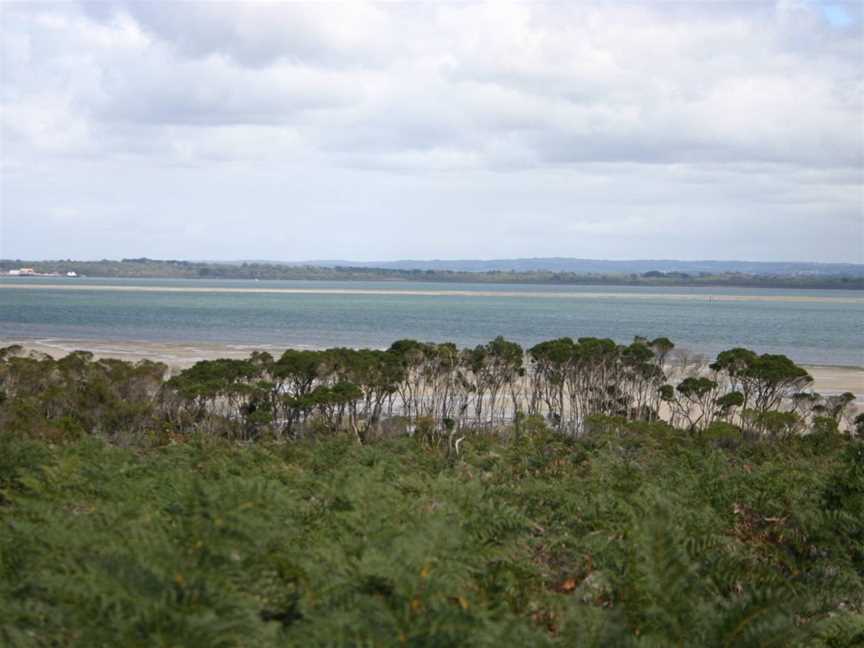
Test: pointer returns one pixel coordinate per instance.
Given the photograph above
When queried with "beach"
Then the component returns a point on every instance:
(827, 379)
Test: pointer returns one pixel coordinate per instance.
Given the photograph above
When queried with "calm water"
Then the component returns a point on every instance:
(809, 332)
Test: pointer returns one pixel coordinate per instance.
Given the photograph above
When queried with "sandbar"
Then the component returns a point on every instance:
(444, 293)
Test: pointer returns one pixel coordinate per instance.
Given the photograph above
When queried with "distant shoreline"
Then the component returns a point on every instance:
(541, 272)
(439, 293)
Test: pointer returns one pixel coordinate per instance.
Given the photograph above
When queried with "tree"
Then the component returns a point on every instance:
(550, 363)
(764, 381)
(697, 402)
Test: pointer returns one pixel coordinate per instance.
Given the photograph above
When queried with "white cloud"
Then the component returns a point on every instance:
(589, 118)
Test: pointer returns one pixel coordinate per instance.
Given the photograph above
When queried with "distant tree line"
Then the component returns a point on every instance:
(152, 268)
(435, 390)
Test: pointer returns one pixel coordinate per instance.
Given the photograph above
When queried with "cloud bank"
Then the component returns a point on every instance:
(291, 131)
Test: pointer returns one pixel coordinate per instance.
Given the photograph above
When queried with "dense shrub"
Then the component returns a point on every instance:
(380, 498)
(633, 535)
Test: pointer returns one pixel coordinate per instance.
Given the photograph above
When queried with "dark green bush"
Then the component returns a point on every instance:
(220, 510)
(643, 535)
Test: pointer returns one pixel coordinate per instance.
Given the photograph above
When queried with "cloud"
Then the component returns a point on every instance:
(669, 108)
(261, 34)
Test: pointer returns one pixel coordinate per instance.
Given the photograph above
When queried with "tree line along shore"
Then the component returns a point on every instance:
(434, 389)
(177, 269)
(577, 493)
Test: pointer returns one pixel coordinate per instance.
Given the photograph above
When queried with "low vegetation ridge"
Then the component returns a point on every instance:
(430, 496)
(606, 266)
(843, 276)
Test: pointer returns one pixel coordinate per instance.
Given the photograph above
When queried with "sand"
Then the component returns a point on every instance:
(444, 293)
(831, 379)
(827, 379)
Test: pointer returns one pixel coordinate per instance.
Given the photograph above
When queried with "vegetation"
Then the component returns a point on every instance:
(562, 382)
(152, 268)
(429, 496)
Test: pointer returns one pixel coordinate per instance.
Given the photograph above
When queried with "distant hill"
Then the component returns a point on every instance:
(600, 266)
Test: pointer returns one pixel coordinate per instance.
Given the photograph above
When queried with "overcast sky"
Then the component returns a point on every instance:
(691, 130)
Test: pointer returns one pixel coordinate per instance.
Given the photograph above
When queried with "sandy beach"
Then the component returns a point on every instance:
(444, 293)
(827, 379)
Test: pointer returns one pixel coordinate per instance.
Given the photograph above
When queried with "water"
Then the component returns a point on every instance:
(827, 330)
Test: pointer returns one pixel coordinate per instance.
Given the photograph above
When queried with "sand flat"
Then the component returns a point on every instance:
(830, 379)
(400, 292)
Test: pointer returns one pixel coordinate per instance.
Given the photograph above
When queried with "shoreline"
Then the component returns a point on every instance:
(828, 379)
(441, 293)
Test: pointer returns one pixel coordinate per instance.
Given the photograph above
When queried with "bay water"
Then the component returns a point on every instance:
(810, 326)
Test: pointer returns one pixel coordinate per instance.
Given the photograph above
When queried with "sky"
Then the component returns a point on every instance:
(293, 131)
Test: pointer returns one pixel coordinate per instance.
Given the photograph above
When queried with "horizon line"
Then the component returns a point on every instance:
(432, 260)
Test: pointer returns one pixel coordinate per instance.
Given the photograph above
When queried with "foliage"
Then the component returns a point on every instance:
(428, 496)
(635, 534)
(564, 381)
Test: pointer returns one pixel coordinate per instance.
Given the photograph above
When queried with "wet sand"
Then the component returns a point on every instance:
(832, 379)
(445, 293)
(827, 379)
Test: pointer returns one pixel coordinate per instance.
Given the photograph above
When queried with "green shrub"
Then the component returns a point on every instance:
(135, 513)
(722, 434)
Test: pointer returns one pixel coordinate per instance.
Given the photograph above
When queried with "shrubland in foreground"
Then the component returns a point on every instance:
(117, 532)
